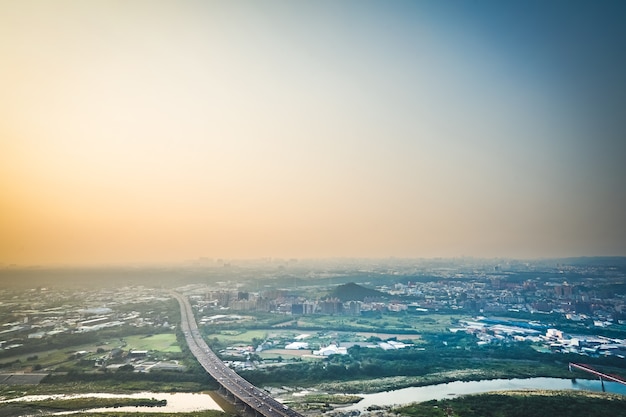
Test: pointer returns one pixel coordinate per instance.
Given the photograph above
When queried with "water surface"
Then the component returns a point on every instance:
(453, 389)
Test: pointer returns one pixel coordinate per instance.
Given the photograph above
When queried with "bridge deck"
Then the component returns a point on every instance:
(589, 369)
(255, 398)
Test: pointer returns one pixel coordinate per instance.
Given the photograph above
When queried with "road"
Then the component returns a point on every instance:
(255, 398)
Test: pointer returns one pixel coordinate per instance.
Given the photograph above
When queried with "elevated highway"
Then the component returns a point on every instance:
(256, 400)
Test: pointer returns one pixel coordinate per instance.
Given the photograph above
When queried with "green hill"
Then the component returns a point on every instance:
(355, 292)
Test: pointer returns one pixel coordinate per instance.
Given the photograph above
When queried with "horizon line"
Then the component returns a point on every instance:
(223, 261)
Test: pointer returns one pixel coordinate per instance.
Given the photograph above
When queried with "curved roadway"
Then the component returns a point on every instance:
(253, 397)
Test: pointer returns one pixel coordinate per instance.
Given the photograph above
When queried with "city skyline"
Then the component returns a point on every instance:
(159, 131)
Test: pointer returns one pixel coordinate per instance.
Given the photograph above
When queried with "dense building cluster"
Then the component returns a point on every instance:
(524, 290)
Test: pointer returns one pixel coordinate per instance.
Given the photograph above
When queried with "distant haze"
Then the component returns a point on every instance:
(158, 131)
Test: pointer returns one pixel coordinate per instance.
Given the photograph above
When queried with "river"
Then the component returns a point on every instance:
(452, 389)
(189, 402)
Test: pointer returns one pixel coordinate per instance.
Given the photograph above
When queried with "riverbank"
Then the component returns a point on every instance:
(297, 398)
(515, 403)
(369, 386)
(143, 402)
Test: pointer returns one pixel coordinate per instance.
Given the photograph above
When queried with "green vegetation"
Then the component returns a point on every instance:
(17, 410)
(70, 404)
(402, 322)
(521, 404)
(329, 399)
(243, 336)
(133, 381)
(65, 358)
(322, 402)
(206, 413)
(163, 342)
(104, 385)
(447, 357)
(352, 291)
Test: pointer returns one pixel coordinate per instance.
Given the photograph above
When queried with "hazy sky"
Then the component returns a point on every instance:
(159, 131)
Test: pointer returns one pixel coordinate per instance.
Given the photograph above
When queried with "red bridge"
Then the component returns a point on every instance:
(600, 375)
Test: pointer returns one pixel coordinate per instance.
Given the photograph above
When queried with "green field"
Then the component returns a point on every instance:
(243, 337)
(390, 322)
(163, 342)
